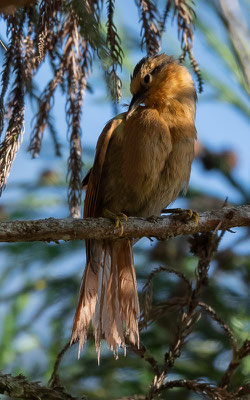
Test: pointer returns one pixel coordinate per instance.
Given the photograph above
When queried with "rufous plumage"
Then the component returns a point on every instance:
(142, 162)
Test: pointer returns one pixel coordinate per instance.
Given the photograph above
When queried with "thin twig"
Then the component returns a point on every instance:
(210, 391)
(143, 352)
(147, 290)
(212, 313)
(54, 380)
(238, 355)
(203, 246)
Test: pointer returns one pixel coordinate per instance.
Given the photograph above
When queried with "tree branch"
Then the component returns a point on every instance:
(18, 387)
(52, 229)
(205, 389)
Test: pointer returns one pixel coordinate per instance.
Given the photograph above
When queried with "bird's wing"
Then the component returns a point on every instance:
(85, 180)
(92, 198)
(94, 178)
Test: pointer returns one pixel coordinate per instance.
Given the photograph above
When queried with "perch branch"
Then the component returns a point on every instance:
(52, 230)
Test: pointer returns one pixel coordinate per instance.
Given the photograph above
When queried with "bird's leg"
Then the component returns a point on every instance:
(116, 218)
(185, 215)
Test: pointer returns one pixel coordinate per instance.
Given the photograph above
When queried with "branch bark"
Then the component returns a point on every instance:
(53, 230)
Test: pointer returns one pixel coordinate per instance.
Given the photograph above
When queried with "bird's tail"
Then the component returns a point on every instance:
(108, 296)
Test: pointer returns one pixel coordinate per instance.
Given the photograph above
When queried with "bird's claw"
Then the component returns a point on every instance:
(185, 215)
(116, 218)
(190, 215)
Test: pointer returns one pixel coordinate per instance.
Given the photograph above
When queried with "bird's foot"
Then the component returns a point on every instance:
(116, 218)
(185, 215)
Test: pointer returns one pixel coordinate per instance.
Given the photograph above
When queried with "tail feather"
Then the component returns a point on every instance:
(128, 292)
(111, 319)
(109, 298)
(86, 306)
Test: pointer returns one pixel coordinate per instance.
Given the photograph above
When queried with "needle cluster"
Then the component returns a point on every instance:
(68, 34)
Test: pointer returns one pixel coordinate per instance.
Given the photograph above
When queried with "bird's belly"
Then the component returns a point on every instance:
(146, 184)
(168, 182)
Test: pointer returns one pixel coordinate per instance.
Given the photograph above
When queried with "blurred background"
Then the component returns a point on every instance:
(39, 282)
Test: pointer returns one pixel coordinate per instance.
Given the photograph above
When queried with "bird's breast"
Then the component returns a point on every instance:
(143, 168)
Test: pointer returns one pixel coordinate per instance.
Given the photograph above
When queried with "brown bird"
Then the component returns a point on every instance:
(143, 160)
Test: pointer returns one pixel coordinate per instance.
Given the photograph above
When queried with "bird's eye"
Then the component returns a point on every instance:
(147, 78)
(156, 69)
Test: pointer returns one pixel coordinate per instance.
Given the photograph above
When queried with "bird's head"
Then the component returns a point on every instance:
(158, 79)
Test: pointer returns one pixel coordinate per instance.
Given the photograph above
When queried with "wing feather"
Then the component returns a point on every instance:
(92, 197)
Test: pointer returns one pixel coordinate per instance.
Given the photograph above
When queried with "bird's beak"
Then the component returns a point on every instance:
(137, 99)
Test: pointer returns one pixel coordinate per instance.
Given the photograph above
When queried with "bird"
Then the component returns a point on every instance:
(142, 162)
